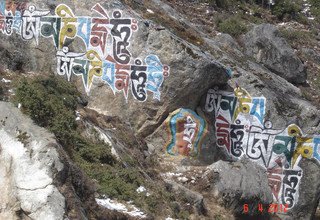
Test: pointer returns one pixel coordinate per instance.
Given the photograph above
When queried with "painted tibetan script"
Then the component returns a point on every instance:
(241, 129)
(186, 131)
(106, 39)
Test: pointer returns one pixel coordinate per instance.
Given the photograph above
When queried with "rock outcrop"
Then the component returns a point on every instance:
(29, 163)
(237, 185)
(37, 178)
(309, 192)
(267, 47)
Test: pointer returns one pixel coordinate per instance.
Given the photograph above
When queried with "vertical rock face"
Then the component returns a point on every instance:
(28, 163)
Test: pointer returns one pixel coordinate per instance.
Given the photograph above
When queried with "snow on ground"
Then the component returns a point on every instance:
(114, 205)
(150, 11)
(107, 139)
(170, 174)
(28, 170)
(141, 189)
(78, 118)
(6, 80)
(183, 179)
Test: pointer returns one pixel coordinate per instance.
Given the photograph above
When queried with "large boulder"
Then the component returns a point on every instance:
(192, 73)
(238, 185)
(194, 198)
(243, 187)
(267, 47)
(192, 70)
(309, 192)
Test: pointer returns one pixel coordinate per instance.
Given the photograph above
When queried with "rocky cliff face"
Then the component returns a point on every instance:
(38, 180)
(29, 162)
(153, 79)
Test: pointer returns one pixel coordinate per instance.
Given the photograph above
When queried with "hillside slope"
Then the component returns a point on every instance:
(160, 109)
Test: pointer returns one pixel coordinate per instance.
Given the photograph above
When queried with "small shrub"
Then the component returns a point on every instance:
(23, 137)
(225, 4)
(233, 26)
(315, 11)
(315, 3)
(295, 37)
(228, 4)
(114, 181)
(287, 9)
(47, 100)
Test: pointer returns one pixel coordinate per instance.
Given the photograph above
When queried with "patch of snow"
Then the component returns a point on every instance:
(32, 184)
(183, 179)
(150, 11)
(169, 174)
(107, 139)
(78, 118)
(6, 80)
(141, 189)
(113, 205)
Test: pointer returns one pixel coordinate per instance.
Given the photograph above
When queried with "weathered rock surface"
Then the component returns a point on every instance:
(37, 179)
(29, 162)
(285, 102)
(193, 198)
(266, 46)
(238, 183)
(192, 74)
(192, 69)
(235, 184)
(309, 192)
